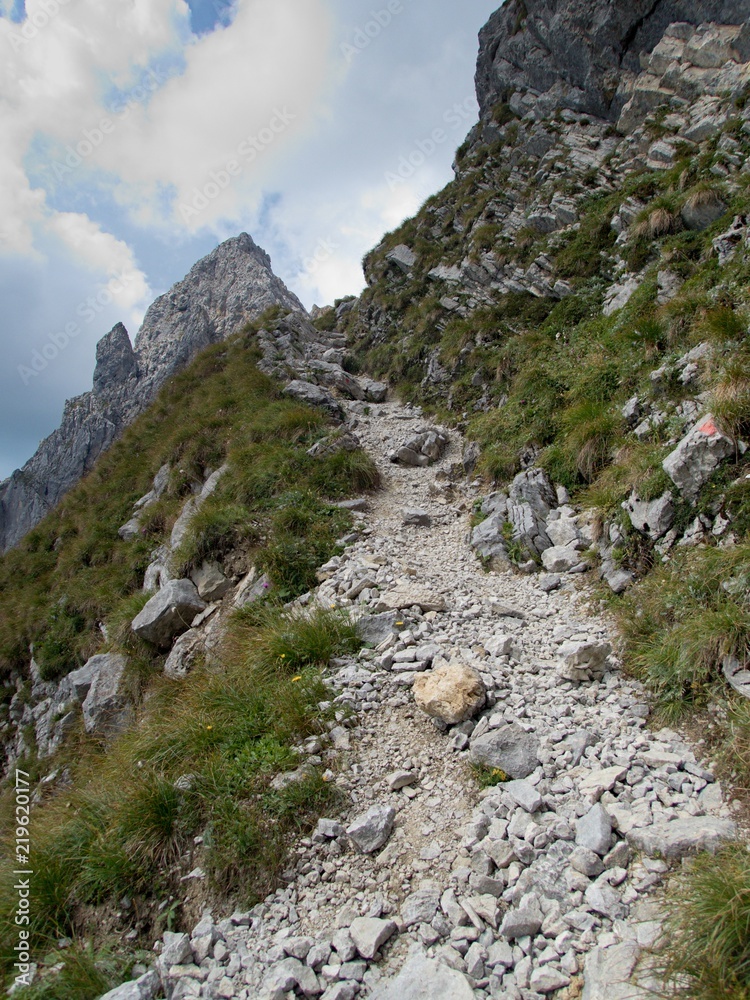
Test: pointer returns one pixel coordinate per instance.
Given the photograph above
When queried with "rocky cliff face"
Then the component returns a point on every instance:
(579, 54)
(229, 287)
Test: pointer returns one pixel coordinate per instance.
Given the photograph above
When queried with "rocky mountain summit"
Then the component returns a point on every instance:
(231, 286)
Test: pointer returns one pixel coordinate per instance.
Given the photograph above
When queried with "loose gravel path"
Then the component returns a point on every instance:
(517, 891)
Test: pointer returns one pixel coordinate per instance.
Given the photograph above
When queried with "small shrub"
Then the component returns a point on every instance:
(488, 777)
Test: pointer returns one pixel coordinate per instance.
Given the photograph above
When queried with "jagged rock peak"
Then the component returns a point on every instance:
(577, 54)
(115, 360)
(231, 286)
(224, 290)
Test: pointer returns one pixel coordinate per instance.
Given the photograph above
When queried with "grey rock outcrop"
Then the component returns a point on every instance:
(105, 708)
(574, 54)
(697, 456)
(229, 287)
(168, 613)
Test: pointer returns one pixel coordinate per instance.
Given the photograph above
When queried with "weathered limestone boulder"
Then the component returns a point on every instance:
(510, 749)
(314, 395)
(594, 830)
(335, 377)
(489, 542)
(452, 693)
(682, 837)
(168, 613)
(563, 531)
(369, 934)
(105, 707)
(425, 979)
(184, 655)
(409, 596)
(702, 209)
(374, 629)
(697, 456)
(333, 443)
(651, 517)
(77, 683)
(251, 589)
(130, 530)
(416, 517)
(533, 487)
(608, 972)
(531, 497)
(370, 831)
(562, 559)
(286, 976)
(403, 257)
(210, 581)
(426, 447)
(375, 392)
(584, 661)
(146, 987)
(728, 243)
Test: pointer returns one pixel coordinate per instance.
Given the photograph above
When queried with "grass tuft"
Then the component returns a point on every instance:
(707, 943)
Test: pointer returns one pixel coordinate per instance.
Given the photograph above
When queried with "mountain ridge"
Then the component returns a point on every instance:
(231, 286)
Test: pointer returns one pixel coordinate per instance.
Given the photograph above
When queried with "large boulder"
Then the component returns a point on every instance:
(168, 613)
(510, 749)
(105, 707)
(698, 456)
(452, 693)
(533, 487)
(424, 979)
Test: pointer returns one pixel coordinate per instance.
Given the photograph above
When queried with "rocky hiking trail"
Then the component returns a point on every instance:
(427, 885)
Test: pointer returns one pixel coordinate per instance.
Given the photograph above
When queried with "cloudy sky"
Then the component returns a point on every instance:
(137, 134)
